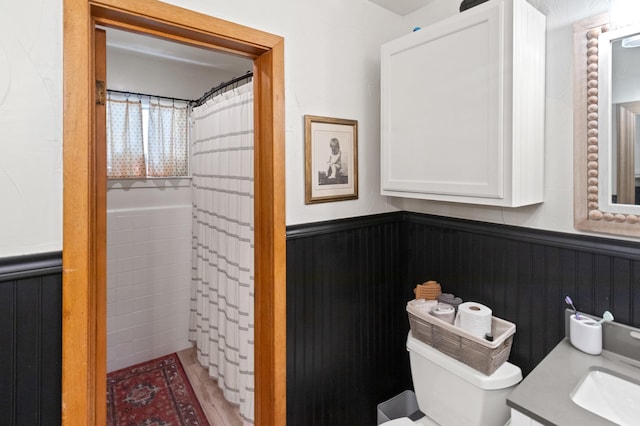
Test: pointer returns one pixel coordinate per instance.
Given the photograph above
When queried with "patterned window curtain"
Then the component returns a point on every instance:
(222, 292)
(125, 146)
(168, 135)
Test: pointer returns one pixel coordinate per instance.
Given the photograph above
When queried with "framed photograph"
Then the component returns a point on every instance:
(331, 159)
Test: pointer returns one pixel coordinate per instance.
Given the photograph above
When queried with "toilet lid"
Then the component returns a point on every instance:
(402, 421)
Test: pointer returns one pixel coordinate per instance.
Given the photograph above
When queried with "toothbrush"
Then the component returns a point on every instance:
(570, 303)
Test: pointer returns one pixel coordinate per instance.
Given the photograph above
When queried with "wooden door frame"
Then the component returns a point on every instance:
(83, 319)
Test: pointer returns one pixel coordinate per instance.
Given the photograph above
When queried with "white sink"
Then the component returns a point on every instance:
(615, 398)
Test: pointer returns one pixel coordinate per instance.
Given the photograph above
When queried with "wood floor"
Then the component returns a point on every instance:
(218, 410)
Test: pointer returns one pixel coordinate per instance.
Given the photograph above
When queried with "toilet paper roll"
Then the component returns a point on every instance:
(445, 312)
(424, 305)
(474, 318)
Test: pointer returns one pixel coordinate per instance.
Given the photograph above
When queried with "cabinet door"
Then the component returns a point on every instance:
(442, 108)
(520, 419)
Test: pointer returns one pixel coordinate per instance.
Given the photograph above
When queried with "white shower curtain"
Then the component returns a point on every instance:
(222, 314)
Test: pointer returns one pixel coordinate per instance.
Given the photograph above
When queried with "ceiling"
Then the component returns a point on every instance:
(402, 7)
(152, 46)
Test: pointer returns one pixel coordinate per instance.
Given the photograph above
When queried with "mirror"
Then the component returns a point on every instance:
(625, 113)
(625, 164)
(606, 127)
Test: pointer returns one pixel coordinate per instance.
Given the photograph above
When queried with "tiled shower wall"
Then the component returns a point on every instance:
(148, 283)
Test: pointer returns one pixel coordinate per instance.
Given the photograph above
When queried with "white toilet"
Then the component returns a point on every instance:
(451, 393)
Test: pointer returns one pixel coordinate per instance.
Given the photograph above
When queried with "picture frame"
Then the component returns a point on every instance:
(331, 159)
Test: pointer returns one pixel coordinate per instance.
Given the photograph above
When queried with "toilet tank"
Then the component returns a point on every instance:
(454, 394)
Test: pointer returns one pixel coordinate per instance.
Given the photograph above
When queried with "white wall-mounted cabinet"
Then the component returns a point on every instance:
(462, 116)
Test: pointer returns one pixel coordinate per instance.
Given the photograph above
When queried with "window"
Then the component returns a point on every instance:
(147, 138)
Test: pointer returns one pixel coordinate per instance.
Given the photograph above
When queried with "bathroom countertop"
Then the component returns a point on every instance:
(544, 395)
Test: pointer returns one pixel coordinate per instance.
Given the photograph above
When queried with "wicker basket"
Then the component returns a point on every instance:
(477, 353)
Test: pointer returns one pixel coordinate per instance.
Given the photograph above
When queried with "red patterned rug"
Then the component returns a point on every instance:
(153, 393)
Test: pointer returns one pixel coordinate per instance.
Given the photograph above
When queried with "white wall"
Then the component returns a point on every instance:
(30, 127)
(331, 68)
(133, 71)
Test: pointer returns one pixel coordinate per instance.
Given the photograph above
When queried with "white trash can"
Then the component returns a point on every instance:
(402, 405)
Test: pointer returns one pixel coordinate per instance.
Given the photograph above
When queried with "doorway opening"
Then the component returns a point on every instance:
(151, 227)
(84, 250)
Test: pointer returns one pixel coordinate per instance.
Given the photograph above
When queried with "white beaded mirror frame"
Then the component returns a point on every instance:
(589, 214)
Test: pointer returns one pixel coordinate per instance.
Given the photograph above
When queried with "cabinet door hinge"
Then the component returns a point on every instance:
(100, 92)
